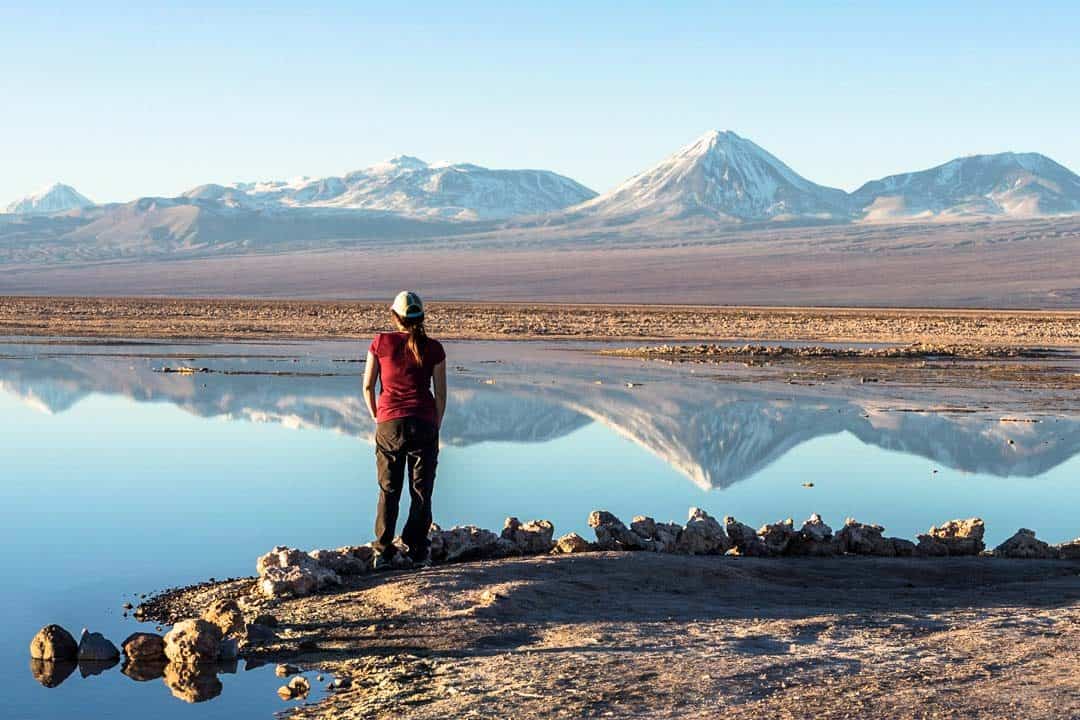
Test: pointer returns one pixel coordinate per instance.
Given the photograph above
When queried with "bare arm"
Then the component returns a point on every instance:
(439, 378)
(371, 376)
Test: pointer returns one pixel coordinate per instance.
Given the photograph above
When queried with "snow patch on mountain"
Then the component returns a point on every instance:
(53, 199)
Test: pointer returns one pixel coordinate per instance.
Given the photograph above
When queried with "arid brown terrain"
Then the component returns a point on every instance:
(261, 319)
(629, 635)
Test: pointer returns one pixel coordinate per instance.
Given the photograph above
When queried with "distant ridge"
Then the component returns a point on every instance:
(53, 199)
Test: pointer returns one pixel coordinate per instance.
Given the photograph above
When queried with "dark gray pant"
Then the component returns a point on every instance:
(405, 444)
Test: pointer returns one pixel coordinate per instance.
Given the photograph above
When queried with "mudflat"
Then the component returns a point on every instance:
(176, 318)
(667, 636)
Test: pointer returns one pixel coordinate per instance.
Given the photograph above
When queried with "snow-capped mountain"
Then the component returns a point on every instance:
(721, 176)
(53, 199)
(411, 187)
(1006, 184)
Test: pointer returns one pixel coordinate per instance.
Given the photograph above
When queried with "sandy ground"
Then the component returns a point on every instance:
(646, 635)
(283, 319)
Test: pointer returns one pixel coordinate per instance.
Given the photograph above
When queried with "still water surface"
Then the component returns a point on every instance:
(119, 479)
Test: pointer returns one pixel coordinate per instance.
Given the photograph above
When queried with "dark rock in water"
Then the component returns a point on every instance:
(863, 539)
(956, 537)
(612, 534)
(815, 538)
(531, 538)
(744, 538)
(266, 619)
(144, 647)
(298, 687)
(193, 641)
(192, 683)
(226, 615)
(571, 543)
(90, 668)
(256, 633)
(1025, 545)
(230, 650)
(1070, 550)
(95, 647)
(54, 643)
(144, 670)
(341, 683)
(51, 673)
(777, 536)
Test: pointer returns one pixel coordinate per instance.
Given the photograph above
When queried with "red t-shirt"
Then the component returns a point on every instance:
(406, 386)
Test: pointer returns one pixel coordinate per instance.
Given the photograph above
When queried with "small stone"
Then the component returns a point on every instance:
(571, 543)
(611, 534)
(285, 670)
(95, 647)
(745, 539)
(230, 649)
(341, 683)
(144, 647)
(266, 619)
(777, 536)
(956, 537)
(531, 538)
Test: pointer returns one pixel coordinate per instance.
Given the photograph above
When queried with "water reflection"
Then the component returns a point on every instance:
(715, 434)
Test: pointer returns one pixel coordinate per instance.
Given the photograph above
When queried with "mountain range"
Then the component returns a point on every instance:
(721, 177)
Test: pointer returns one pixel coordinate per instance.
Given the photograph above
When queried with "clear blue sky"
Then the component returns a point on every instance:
(121, 102)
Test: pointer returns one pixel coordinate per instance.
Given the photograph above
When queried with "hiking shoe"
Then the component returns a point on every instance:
(381, 563)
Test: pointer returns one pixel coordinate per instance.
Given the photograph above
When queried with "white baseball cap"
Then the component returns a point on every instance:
(408, 304)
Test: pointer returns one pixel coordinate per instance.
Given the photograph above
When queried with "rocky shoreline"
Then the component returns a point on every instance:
(215, 624)
(704, 352)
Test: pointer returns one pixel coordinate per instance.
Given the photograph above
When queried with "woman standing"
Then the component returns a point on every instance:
(407, 417)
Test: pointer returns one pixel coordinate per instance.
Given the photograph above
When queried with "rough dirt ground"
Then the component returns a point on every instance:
(644, 635)
(282, 319)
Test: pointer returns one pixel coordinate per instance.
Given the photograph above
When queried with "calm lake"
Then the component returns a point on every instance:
(120, 479)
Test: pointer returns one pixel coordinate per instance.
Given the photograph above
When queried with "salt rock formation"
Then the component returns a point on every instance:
(53, 642)
(1025, 545)
(226, 615)
(285, 571)
(1070, 550)
(744, 538)
(664, 537)
(531, 538)
(347, 560)
(462, 543)
(144, 647)
(859, 538)
(814, 538)
(571, 543)
(777, 536)
(611, 534)
(95, 647)
(192, 642)
(956, 537)
(703, 535)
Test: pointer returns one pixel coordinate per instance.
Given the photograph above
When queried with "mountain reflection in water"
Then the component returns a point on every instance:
(716, 434)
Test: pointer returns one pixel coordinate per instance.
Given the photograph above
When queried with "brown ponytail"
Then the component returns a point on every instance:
(417, 336)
